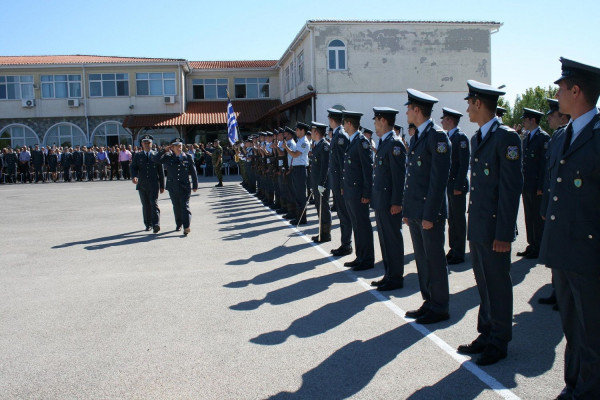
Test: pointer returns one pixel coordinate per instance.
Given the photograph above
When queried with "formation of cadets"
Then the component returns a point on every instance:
(423, 182)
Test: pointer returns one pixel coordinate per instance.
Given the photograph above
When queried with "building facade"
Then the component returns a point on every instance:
(70, 100)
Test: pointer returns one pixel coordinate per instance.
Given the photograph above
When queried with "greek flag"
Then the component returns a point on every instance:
(232, 125)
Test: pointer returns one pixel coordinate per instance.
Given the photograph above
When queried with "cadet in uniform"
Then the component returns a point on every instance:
(289, 187)
(500, 111)
(318, 178)
(179, 166)
(458, 186)
(496, 183)
(300, 162)
(571, 240)
(149, 178)
(357, 183)
(77, 159)
(339, 143)
(425, 209)
(534, 168)
(387, 198)
(38, 160)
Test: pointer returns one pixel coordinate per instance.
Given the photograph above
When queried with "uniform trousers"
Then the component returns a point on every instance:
(322, 205)
(432, 268)
(389, 228)
(363, 230)
(67, 173)
(89, 169)
(492, 274)
(150, 209)
(457, 223)
(37, 168)
(534, 223)
(11, 173)
(78, 172)
(181, 208)
(578, 301)
(299, 186)
(343, 216)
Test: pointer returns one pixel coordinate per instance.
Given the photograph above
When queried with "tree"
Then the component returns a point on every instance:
(534, 98)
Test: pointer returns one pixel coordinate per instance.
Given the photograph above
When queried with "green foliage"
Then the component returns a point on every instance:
(534, 98)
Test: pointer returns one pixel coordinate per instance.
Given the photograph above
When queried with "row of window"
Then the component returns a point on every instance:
(65, 134)
(245, 88)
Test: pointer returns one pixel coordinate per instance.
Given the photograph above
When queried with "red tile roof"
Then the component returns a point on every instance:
(205, 113)
(332, 21)
(80, 59)
(233, 64)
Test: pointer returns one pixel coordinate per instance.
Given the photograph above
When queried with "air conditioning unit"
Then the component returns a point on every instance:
(73, 102)
(169, 99)
(28, 103)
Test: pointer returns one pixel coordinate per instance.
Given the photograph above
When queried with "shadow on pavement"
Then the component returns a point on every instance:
(271, 254)
(124, 239)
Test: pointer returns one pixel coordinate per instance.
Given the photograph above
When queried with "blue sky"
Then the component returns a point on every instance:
(525, 50)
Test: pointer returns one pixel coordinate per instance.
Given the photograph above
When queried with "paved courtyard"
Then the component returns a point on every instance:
(93, 307)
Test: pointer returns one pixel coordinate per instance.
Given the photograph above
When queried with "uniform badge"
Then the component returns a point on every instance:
(578, 182)
(463, 145)
(349, 161)
(326, 147)
(419, 163)
(303, 145)
(397, 151)
(365, 145)
(512, 153)
(341, 141)
(486, 172)
(442, 147)
(380, 162)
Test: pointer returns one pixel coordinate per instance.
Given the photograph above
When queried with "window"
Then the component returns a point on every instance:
(109, 85)
(111, 134)
(336, 55)
(155, 83)
(18, 136)
(65, 134)
(61, 86)
(287, 79)
(251, 88)
(209, 89)
(292, 75)
(300, 63)
(15, 87)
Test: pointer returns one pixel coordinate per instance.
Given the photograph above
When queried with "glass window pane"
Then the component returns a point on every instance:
(17, 131)
(222, 81)
(27, 91)
(27, 78)
(240, 91)
(142, 88)
(169, 75)
(122, 76)
(64, 130)
(112, 129)
(342, 59)
(263, 80)
(222, 92)
(240, 80)
(60, 78)
(331, 59)
(2, 91)
(264, 91)
(197, 81)
(13, 93)
(108, 88)
(47, 90)
(156, 88)
(210, 81)
(12, 79)
(110, 77)
(141, 76)
(122, 88)
(170, 87)
(198, 92)
(3, 79)
(336, 43)
(75, 89)
(210, 92)
(252, 91)
(251, 80)
(156, 75)
(95, 89)
(74, 78)
(95, 77)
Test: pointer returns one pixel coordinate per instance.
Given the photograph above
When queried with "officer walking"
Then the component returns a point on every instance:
(299, 154)
(318, 178)
(534, 168)
(571, 239)
(425, 209)
(496, 183)
(357, 183)
(388, 195)
(458, 186)
(149, 178)
(179, 166)
(339, 143)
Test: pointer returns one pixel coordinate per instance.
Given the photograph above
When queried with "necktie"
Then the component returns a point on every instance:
(478, 137)
(416, 135)
(568, 137)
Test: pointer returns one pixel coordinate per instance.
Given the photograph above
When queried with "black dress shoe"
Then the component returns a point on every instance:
(532, 255)
(491, 355)
(147, 228)
(156, 228)
(431, 317)
(342, 251)
(548, 300)
(353, 263)
(455, 260)
(178, 228)
(476, 347)
(391, 285)
(323, 239)
(417, 313)
(281, 211)
(363, 267)
(378, 283)
(449, 256)
(524, 253)
(555, 307)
